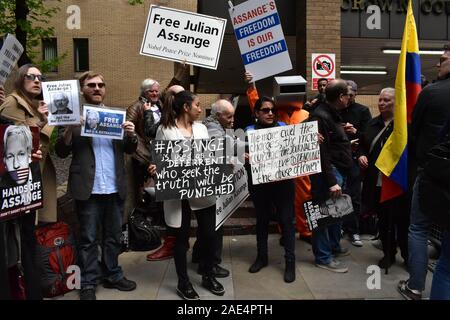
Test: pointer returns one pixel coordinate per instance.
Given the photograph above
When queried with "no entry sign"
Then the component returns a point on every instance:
(323, 66)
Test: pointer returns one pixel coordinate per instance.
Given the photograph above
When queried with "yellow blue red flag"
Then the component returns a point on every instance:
(393, 158)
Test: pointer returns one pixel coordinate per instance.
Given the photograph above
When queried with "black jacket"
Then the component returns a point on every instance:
(370, 196)
(429, 117)
(359, 116)
(335, 150)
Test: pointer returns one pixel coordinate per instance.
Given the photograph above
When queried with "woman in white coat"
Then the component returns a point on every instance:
(178, 123)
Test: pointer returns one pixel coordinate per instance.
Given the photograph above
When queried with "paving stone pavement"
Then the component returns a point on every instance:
(157, 280)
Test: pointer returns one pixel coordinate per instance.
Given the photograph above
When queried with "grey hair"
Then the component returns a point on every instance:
(218, 107)
(93, 112)
(18, 130)
(352, 84)
(147, 84)
(388, 90)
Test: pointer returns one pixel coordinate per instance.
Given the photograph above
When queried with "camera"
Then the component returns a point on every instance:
(319, 66)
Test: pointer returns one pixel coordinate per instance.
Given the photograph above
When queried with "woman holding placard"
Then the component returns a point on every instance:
(178, 123)
(266, 197)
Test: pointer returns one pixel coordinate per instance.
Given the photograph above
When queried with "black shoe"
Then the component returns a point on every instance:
(87, 294)
(213, 285)
(384, 263)
(217, 271)
(258, 265)
(187, 292)
(289, 272)
(123, 284)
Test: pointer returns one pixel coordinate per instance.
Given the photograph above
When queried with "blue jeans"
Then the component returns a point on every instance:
(417, 242)
(326, 240)
(440, 288)
(105, 211)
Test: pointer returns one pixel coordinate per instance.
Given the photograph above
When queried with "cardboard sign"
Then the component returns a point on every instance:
(330, 212)
(183, 36)
(284, 152)
(226, 205)
(323, 66)
(63, 100)
(187, 169)
(102, 122)
(9, 55)
(20, 177)
(258, 31)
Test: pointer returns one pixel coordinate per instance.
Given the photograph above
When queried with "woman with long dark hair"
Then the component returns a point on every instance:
(278, 196)
(178, 123)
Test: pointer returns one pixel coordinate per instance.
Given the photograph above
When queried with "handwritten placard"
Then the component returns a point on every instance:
(9, 55)
(189, 169)
(284, 152)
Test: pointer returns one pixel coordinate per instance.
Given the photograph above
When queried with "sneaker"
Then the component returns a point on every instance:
(122, 285)
(213, 286)
(341, 252)
(356, 240)
(407, 293)
(87, 294)
(187, 292)
(333, 265)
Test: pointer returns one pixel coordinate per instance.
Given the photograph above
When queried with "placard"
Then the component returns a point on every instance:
(183, 36)
(102, 122)
(63, 100)
(9, 55)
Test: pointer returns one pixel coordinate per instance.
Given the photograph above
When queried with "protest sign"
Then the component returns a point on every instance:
(20, 177)
(284, 152)
(63, 100)
(9, 55)
(183, 36)
(323, 66)
(102, 122)
(330, 212)
(260, 38)
(226, 205)
(187, 169)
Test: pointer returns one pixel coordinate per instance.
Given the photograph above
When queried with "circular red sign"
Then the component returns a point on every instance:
(327, 71)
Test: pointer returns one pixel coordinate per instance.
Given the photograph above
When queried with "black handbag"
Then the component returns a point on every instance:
(434, 185)
(142, 234)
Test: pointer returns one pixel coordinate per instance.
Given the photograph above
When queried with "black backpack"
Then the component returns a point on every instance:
(434, 186)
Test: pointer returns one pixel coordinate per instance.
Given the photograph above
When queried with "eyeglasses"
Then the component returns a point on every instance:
(93, 85)
(268, 110)
(32, 77)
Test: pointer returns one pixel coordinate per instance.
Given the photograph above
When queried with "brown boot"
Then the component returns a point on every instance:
(164, 252)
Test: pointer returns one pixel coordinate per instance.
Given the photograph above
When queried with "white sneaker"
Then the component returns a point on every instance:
(356, 240)
(334, 265)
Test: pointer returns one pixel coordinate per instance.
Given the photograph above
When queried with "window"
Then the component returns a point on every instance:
(50, 51)
(81, 54)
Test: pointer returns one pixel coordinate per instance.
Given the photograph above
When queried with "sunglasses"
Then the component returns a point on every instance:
(268, 110)
(32, 77)
(93, 85)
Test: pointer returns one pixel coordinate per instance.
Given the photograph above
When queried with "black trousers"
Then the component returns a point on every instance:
(206, 219)
(217, 251)
(393, 224)
(353, 189)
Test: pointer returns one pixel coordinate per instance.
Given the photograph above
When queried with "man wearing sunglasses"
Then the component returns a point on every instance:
(97, 183)
(429, 117)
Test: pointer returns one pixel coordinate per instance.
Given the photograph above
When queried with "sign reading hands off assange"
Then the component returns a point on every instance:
(183, 36)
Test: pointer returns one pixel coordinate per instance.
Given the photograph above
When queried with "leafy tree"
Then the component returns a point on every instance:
(29, 21)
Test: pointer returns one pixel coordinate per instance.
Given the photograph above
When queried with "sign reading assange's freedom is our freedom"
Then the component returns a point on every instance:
(258, 31)
(183, 36)
(284, 152)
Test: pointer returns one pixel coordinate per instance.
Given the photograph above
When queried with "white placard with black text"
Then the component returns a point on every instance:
(9, 55)
(63, 101)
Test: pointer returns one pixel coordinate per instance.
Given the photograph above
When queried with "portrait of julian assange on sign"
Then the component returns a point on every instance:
(102, 122)
(63, 100)
(20, 175)
(183, 36)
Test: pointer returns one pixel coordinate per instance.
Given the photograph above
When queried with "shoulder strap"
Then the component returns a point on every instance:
(377, 137)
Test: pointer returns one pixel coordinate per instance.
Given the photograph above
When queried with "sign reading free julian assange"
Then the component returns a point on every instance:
(183, 36)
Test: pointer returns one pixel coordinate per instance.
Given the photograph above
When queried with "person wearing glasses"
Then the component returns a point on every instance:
(25, 107)
(279, 195)
(97, 183)
(336, 161)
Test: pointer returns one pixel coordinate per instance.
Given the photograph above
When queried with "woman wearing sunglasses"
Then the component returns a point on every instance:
(24, 107)
(274, 198)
